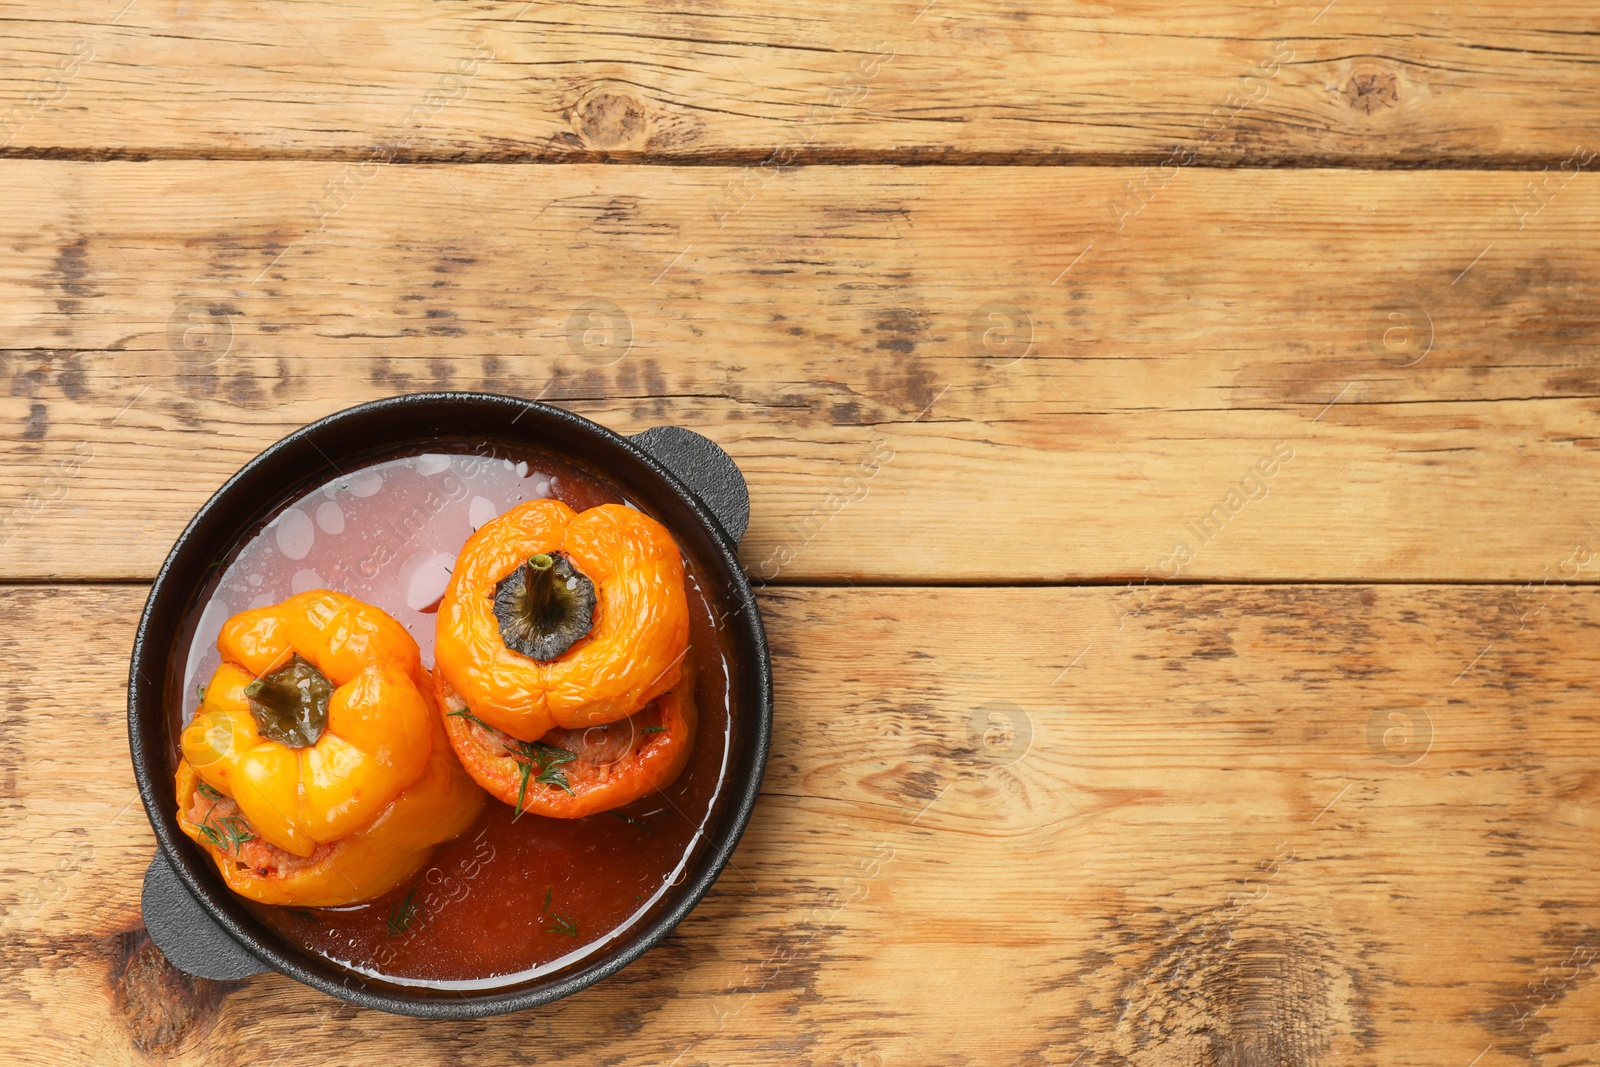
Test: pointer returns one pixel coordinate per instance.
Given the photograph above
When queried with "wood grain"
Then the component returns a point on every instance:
(1294, 825)
(1369, 82)
(884, 350)
(1156, 822)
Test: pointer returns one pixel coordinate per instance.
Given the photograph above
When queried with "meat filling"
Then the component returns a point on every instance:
(224, 827)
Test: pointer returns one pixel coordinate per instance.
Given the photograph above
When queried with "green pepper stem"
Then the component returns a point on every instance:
(290, 704)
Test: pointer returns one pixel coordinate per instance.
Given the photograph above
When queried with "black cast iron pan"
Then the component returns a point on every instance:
(676, 475)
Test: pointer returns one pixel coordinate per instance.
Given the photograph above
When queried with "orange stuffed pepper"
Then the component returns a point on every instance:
(561, 651)
(315, 772)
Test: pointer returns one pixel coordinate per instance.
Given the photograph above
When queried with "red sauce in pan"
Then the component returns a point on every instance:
(512, 896)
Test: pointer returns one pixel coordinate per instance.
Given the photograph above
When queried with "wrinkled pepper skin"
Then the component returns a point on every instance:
(633, 652)
(613, 765)
(353, 814)
(389, 851)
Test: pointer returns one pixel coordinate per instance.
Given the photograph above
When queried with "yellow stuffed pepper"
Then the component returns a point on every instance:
(316, 772)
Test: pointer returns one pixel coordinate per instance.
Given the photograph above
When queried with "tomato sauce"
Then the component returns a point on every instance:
(513, 897)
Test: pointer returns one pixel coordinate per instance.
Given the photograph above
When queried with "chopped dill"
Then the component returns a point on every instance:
(549, 758)
(524, 769)
(227, 835)
(405, 912)
(466, 714)
(563, 925)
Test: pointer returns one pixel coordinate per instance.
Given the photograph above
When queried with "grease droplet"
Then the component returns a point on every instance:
(367, 483)
(424, 577)
(294, 533)
(330, 517)
(480, 511)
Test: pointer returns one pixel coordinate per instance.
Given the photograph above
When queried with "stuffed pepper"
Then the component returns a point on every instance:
(315, 772)
(561, 647)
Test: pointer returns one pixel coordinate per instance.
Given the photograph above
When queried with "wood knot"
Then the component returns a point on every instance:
(161, 1008)
(1241, 984)
(608, 118)
(1368, 90)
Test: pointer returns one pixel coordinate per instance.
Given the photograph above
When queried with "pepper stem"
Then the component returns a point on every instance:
(544, 606)
(290, 704)
(539, 589)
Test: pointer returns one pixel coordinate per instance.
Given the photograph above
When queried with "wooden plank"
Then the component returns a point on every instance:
(1297, 824)
(1371, 82)
(859, 339)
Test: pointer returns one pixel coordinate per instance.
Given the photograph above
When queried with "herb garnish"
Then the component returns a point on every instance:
(563, 925)
(466, 714)
(654, 730)
(547, 758)
(225, 835)
(228, 835)
(524, 769)
(550, 760)
(405, 912)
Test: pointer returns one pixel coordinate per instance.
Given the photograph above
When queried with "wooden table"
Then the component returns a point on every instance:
(1171, 433)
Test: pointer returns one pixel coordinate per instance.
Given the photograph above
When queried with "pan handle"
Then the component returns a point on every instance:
(709, 472)
(186, 933)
